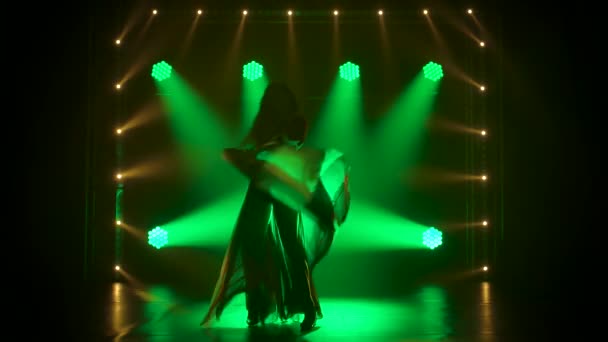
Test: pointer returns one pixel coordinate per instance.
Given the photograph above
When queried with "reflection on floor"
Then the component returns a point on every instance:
(429, 313)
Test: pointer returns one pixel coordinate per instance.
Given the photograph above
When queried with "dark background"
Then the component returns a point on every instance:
(547, 105)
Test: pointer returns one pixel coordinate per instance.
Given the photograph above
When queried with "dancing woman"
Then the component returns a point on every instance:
(271, 254)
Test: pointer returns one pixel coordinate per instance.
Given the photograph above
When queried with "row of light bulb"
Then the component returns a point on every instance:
(335, 12)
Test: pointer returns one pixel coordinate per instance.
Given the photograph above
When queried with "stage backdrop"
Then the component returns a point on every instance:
(410, 140)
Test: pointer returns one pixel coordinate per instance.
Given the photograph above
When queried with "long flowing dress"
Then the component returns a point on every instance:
(273, 249)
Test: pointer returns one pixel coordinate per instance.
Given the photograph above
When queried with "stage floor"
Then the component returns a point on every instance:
(471, 311)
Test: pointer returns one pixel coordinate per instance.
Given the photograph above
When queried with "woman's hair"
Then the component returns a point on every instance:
(278, 98)
(278, 116)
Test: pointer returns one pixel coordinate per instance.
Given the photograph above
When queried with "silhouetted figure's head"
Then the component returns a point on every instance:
(278, 117)
(279, 98)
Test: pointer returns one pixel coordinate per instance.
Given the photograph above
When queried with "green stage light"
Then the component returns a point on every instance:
(432, 238)
(433, 71)
(161, 71)
(253, 70)
(158, 237)
(349, 71)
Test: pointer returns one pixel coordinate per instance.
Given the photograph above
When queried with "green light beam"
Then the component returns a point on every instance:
(398, 139)
(392, 233)
(199, 134)
(340, 121)
(253, 86)
(210, 226)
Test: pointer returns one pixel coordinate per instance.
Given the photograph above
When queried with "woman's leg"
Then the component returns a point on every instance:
(253, 222)
(300, 295)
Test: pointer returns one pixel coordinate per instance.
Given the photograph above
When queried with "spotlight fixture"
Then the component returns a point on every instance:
(199, 12)
(433, 71)
(470, 11)
(117, 41)
(484, 178)
(380, 12)
(161, 71)
(485, 268)
(119, 176)
(119, 131)
(117, 268)
(349, 71)
(432, 238)
(154, 12)
(158, 237)
(118, 85)
(245, 12)
(482, 88)
(118, 222)
(483, 133)
(289, 12)
(485, 223)
(335, 12)
(425, 12)
(482, 44)
(253, 70)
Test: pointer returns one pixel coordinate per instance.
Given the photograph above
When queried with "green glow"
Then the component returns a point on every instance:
(399, 137)
(433, 71)
(358, 232)
(209, 226)
(349, 71)
(158, 237)
(118, 204)
(432, 238)
(212, 226)
(118, 217)
(160, 305)
(340, 121)
(421, 316)
(340, 126)
(200, 136)
(251, 95)
(253, 70)
(161, 71)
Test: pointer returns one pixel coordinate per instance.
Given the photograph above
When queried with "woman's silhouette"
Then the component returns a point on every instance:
(271, 255)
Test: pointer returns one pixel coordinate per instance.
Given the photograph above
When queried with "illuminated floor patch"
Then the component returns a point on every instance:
(164, 317)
